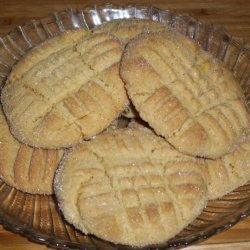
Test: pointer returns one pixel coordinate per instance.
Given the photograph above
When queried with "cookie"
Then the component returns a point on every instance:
(71, 95)
(27, 169)
(184, 94)
(228, 173)
(126, 29)
(129, 187)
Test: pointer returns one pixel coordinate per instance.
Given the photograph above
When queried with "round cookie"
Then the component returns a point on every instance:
(129, 187)
(27, 169)
(72, 94)
(228, 173)
(184, 94)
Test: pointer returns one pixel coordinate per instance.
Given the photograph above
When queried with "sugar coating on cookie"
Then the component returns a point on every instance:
(72, 94)
(126, 29)
(129, 187)
(184, 94)
(228, 173)
(43, 50)
(222, 175)
(27, 169)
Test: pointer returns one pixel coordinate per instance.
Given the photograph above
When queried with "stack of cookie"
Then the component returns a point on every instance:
(139, 185)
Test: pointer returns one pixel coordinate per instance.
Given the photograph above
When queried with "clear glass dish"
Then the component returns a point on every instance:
(37, 216)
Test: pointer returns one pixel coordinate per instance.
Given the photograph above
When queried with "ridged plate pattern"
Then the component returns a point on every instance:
(38, 217)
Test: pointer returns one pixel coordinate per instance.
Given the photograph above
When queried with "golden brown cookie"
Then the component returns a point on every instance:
(228, 173)
(130, 187)
(72, 94)
(126, 29)
(184, 94)
(28, 169)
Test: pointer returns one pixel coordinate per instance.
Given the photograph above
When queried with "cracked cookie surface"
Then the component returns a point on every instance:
(26, 168)
(130, 187)
(70, 94)
(184, 94)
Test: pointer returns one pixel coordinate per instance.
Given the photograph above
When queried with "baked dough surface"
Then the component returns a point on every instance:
(184, 94)
(130, 187)
(27, 169)
(72, 93)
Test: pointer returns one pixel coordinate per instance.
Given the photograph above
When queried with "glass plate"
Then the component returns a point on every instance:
(37, 216)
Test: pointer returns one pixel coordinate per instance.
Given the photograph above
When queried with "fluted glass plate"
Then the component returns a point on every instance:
(37, 216)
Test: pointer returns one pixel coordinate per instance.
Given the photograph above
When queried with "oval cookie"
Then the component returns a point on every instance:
(27, 169)
(184, 94)
(129, 187)
(72, 94)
